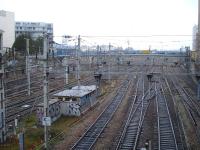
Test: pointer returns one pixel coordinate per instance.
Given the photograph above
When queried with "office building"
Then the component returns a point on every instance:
(34, 29)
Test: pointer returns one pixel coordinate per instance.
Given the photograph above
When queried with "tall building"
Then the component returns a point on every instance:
(194, 38)
(7, 25)
(34, 29)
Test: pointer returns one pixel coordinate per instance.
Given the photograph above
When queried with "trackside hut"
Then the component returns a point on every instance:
(77, 100)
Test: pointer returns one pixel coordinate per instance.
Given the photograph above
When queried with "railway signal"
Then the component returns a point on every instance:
(97, 77)
(198, 88)
(149, 77)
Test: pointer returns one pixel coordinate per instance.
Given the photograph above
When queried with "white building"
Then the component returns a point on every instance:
(77, 100)
(194, 37)
(34, 29)
(7, 25)
(70, 102)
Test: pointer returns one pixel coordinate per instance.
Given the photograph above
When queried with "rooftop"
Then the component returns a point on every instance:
(51, 101)
(77, 91)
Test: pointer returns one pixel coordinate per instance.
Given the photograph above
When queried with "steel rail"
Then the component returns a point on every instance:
(131, 131)
(166, 135)
(89, 138)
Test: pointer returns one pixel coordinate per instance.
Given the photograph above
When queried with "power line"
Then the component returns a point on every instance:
(129, 36)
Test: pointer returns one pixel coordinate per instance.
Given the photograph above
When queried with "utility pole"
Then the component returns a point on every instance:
(65, 64)
(188, 59)
(97, 74)
(98, 59)
(14, 62)
(198, 20)
(77, 60)
(198, 35)
(2, 94)
(45, 88)
(28, 67)
(109, 62)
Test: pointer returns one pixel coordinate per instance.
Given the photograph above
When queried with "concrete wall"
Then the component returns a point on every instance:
(54, 112)
(7, 24)
(70, 108)
(75, 108)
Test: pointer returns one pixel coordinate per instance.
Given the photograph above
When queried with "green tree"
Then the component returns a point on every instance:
(20, 44)
(38, 44)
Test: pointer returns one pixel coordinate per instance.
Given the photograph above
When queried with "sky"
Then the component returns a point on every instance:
(113, 18)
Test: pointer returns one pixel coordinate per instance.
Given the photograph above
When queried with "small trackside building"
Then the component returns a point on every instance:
(77, 100)
(70, 102)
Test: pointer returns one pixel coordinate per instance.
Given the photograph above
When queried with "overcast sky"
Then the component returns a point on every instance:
(110, 17)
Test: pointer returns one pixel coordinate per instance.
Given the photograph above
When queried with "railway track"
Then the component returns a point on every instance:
(189, 100)
(191, 107)
(176, 120)
(94, 131)
(166, 135)
(131, 131)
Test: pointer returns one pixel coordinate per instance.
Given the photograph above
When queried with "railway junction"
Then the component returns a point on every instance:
(143, 101)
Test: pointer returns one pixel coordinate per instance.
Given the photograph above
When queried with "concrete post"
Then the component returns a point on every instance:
(45, 89)
(2, 94)
(65, 64)
(78, 61)
(109, 63)
(28, 67)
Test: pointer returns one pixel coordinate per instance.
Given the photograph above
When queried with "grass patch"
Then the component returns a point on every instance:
(35, 136)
